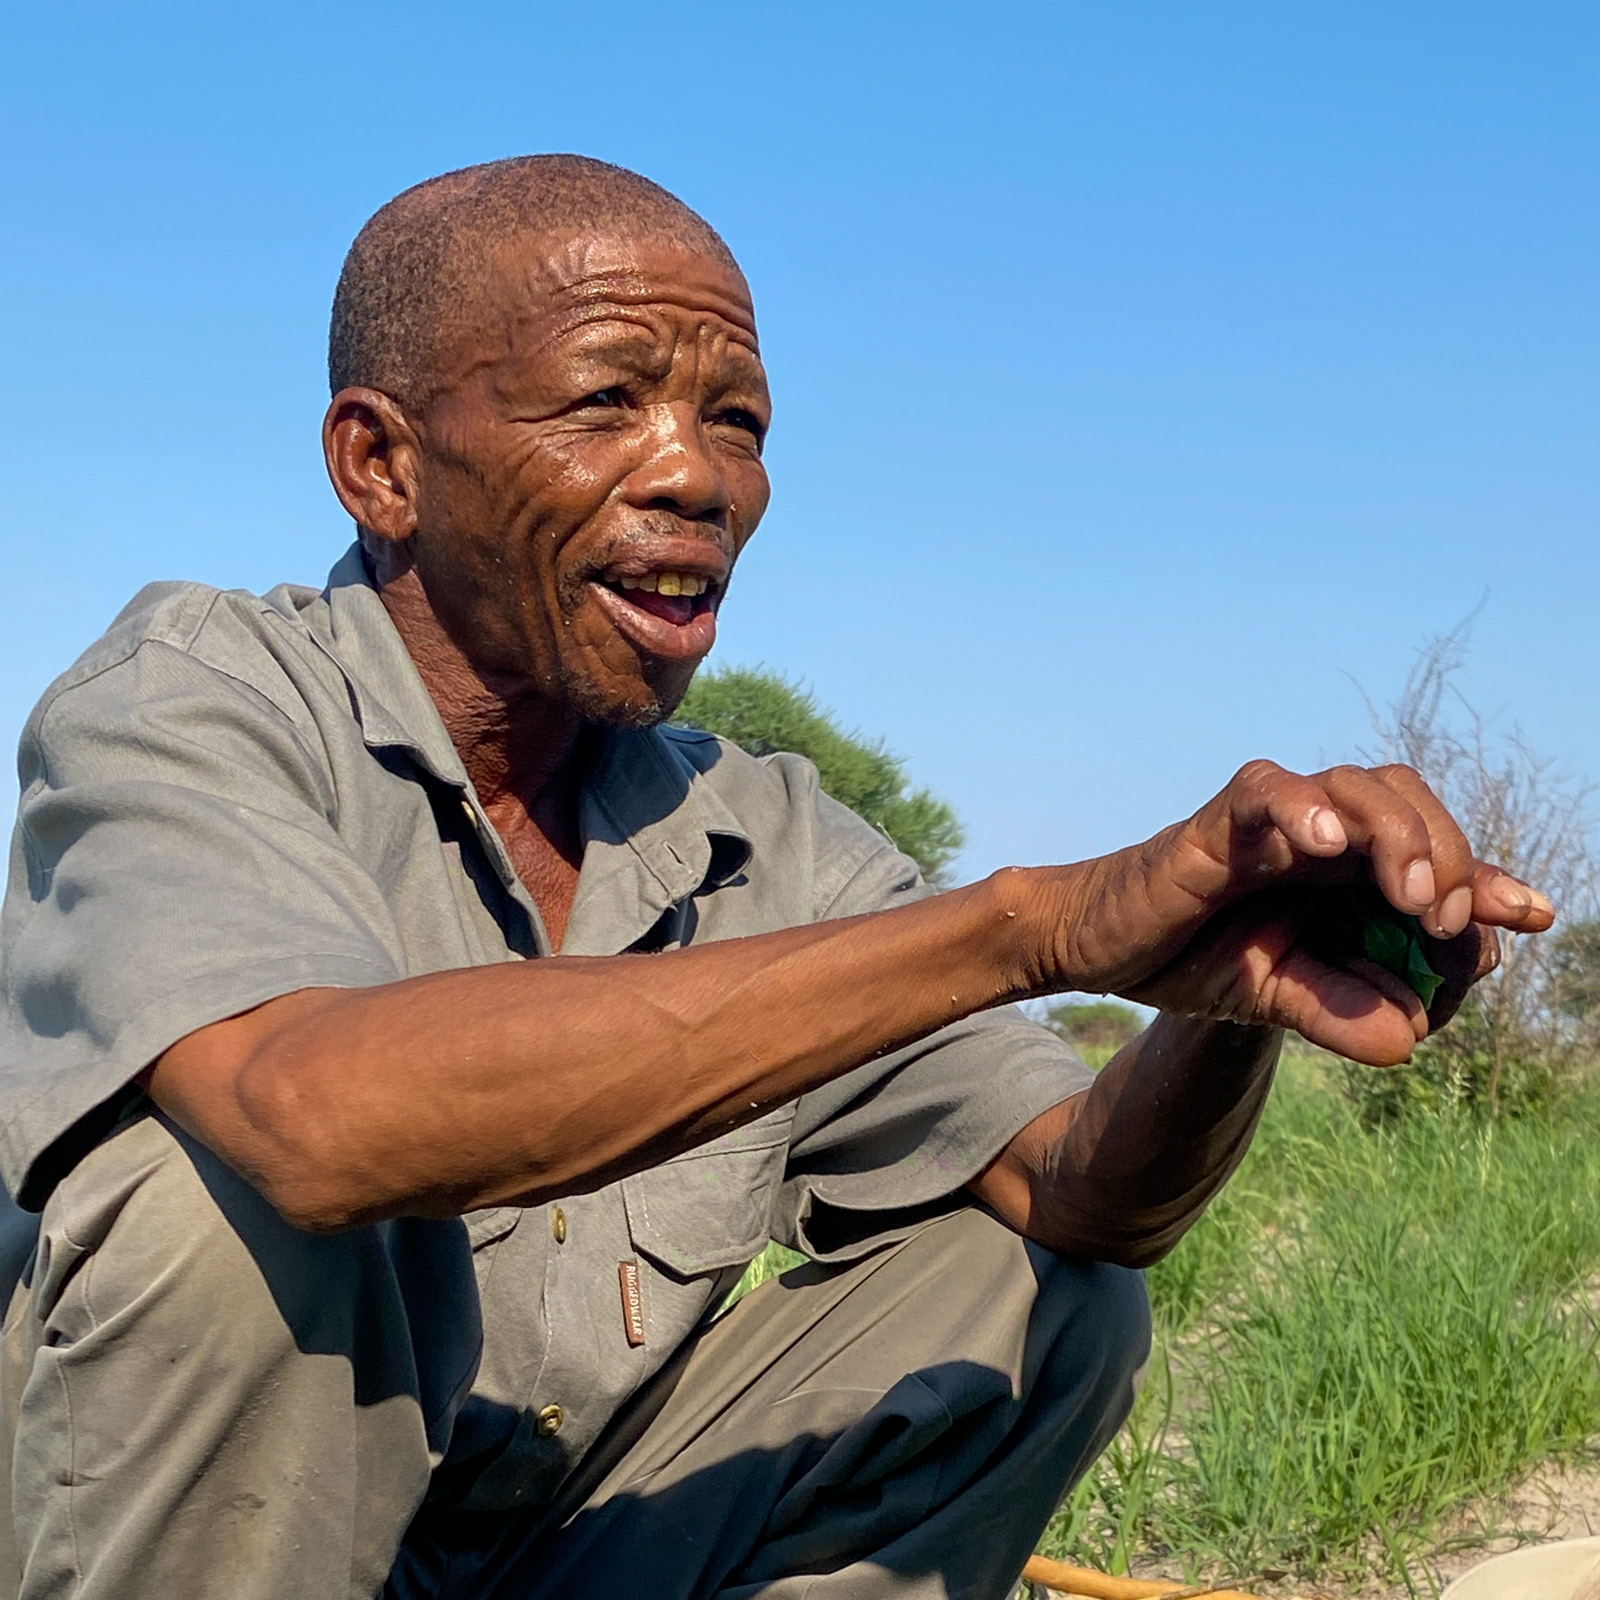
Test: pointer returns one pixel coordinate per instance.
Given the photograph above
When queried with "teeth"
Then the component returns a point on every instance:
(667, 583)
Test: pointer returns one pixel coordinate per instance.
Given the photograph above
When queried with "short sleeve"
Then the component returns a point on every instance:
(174, 862)
(873, 1152)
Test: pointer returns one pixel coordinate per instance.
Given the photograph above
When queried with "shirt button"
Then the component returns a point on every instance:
(558, 1225)
(550, 1420)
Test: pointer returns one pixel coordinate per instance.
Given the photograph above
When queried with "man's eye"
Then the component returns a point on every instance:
(747, 421)
(603, 397)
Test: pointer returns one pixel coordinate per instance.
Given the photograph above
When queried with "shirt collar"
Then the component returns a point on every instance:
(390, 700)
(653, 825)
(654, 831)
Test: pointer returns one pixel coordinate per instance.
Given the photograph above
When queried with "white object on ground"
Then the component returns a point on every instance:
(1566, 1570)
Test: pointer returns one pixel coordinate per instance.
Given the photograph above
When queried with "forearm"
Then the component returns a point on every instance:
(533, 1079)
(518, 1082)
(1121, 1172)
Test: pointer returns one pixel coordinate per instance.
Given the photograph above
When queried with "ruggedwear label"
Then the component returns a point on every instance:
(632, 1302)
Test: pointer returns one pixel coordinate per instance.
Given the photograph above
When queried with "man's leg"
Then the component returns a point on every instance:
(204, 1401)
(902, 1427)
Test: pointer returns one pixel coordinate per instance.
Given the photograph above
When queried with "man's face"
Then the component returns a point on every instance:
(590, 471)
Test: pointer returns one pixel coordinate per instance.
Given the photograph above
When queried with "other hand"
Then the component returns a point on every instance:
(1218, 917)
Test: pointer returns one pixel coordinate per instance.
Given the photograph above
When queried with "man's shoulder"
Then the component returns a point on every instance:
(232, 632)
(778, 776)
(775, 789)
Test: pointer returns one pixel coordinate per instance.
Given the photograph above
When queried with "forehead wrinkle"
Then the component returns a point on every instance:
(655, 335)
(637, 289)
(646, 333)
(646, 348)
(668, 307)
(562, 281)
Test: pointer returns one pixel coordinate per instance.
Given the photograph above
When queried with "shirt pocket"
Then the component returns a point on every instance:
(711, 1207)
(492, 1223)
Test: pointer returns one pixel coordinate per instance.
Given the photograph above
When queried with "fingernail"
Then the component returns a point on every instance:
(1456, 911)
(1513, 894)
(1327, 829)
(1541, 902)
(1418, 883)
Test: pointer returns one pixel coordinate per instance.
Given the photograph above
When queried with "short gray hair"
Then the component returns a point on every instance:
(417, 268)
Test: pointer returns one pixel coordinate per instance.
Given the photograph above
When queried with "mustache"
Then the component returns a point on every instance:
(662, 527)
(645, 541)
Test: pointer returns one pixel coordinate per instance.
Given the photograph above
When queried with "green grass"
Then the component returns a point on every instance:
(1366, 1333)
(774, 1259)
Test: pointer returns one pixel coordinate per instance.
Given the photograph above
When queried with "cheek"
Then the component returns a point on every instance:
(571, 476)
(751, 491)
(562, 496)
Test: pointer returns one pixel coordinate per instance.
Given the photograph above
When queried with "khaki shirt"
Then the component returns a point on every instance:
(231, 797)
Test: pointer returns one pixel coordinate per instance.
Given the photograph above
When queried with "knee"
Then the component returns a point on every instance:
(155, 1198)
(1091, 1327)
(137, 1207)
(1080, 1321)
(189, 1257)
(177, 1238)
(1068, 1337)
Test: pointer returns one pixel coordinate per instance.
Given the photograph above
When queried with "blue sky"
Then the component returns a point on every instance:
(1148, 375)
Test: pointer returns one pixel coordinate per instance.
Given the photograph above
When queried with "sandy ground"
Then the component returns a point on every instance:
(1554, 1503)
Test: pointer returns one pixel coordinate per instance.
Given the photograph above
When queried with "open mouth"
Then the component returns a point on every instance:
(665, 612)
(675, 597)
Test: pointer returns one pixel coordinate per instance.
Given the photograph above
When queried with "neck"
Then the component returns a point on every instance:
(516, 744)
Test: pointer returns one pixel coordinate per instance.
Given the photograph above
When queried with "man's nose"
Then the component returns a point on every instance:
(680, 474)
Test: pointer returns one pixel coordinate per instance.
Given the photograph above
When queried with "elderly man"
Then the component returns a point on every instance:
(408, 1039)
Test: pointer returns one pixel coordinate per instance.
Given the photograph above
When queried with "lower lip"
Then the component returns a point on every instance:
(668, 641)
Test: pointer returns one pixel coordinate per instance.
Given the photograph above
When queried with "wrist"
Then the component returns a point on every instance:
(1036, 905)
(1243, 1047)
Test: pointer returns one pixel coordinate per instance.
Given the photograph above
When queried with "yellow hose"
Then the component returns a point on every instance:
(1091, 1585)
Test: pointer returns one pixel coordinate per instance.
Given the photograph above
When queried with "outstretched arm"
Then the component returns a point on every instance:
(514, 1083)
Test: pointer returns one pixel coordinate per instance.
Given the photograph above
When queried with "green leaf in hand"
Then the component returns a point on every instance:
(1384, 936)
(1394, 941)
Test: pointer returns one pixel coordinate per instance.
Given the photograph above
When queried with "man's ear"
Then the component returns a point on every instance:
(372, 456)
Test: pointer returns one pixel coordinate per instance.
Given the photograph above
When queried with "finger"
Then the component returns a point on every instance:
(1394, 989)
(1460, 962)
(1503, 901)
(1449, 849)
(1251, 967)
(1385, 827)
(1264, 795)
(1346, 1012)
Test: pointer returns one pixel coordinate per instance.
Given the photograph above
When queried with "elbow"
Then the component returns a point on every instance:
(320, 1183)
(1138, 1251)
(321, 1198)
(311, 1197)
(1119, 1244)
(267, 1101)
(306, 1173)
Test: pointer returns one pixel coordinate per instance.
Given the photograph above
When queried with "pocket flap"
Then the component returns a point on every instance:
(493, 1222)
(711, 1207)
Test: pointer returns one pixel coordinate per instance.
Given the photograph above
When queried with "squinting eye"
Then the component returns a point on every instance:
(748, 421)
(603, 397)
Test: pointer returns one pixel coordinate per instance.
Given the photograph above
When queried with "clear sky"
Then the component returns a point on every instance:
(1147, 375)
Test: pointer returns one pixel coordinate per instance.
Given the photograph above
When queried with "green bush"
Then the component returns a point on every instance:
(1469, 1068)
(1097, 1029)
(763, 712)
